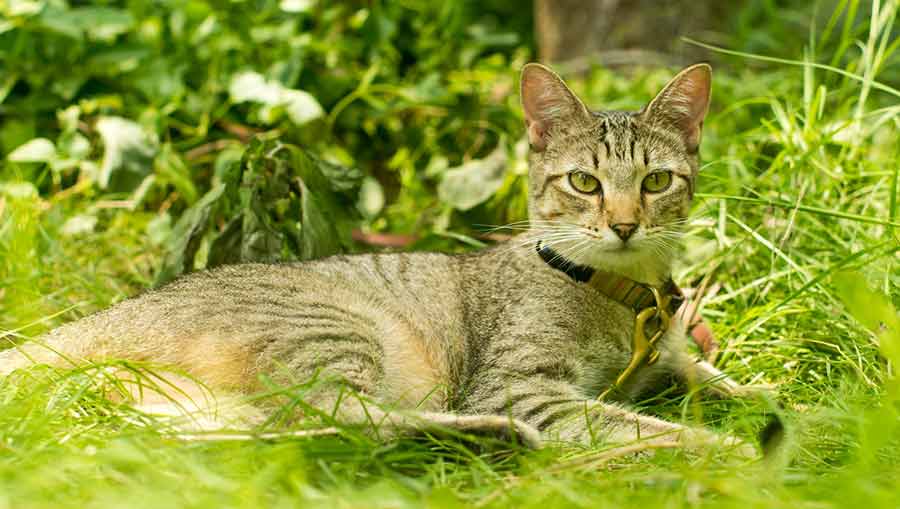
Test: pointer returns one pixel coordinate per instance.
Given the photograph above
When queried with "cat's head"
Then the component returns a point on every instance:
(612, 189)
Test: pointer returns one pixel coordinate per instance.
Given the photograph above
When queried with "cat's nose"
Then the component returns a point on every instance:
(624, 230)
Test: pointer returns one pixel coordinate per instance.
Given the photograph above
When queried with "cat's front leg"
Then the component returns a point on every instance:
(699, 373)
(608, 423)
(712, 381)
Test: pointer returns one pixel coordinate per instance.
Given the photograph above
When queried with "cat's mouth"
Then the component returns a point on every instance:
(599, 248)
(623, 248)
(611, 243)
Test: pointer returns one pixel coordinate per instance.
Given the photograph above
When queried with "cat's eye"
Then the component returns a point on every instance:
(583, 182)
(657, 182)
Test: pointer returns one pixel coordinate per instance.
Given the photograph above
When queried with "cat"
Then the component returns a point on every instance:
(519, 338)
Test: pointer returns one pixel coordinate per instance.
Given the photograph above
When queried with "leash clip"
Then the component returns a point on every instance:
(643, 348)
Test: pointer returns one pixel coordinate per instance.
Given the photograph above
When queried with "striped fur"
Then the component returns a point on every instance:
(495, 333)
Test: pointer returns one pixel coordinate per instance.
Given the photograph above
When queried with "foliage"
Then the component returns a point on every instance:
(127, 158)
(277, 204)
(119, 95)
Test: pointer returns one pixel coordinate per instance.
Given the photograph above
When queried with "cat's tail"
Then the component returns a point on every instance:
(93, 338)
(132, 370)
(47, 350)
(159, 327)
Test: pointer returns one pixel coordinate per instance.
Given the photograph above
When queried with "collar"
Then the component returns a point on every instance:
(626, 291)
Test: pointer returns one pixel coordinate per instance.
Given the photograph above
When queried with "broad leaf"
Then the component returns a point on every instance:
(101, 23)
(80, 224)
(21, 7)
(474, 182)
(296, 5)
(873, 310)
(186, 235)
(38, 150)
(128, 153)
(300, 106)
(278, 204)
(371, 198)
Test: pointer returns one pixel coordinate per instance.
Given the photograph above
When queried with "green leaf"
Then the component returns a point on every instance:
(74, 145)
(80, 224)
(128, 153)
(68, 118)
(22, 7)
(474, 182)
(117, 60)
(296, 5)
(300, 106)
(19, 190)
(7, 83)
(38, 150)
(252, 86)
(171, 167)
(160, 79)
(15, 132)
(319, 235)
(371, 198)
(159, 229)
(278, 204)
(98, 23)
(226, 246)
(57, 20)
(186, 235)
(873, 310)
(314, 221)
(102, 23)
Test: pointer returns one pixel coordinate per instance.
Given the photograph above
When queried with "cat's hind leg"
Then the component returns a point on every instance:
(384, 421)
(365, 384)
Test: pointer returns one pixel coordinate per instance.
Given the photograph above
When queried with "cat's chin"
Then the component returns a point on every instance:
(633, 261)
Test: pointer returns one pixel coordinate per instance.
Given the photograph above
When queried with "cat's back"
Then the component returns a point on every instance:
(249, 306)
(402, 315)
(243, 293)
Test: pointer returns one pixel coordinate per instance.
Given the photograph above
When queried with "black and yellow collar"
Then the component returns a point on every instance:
(626, 291)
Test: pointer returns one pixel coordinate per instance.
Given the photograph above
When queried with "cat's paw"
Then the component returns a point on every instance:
(504, 428)
(741, 448)
(703, 441)
(755, 390)
(492, 426)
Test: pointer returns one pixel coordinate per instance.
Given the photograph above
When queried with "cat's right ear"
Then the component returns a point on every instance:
(546, 101)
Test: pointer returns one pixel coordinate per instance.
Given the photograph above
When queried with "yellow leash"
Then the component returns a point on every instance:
(643, 348)
(653, 307)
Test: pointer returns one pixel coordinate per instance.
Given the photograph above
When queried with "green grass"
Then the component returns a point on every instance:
(796, 217)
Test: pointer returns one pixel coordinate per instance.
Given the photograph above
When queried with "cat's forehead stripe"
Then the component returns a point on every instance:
(618, 133)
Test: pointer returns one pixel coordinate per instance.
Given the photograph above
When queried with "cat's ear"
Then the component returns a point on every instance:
(546, 101)
(683, 103)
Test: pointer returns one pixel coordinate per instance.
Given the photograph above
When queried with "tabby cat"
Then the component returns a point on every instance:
(520, 338)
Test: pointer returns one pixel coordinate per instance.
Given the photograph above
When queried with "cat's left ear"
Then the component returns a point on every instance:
(683, 103)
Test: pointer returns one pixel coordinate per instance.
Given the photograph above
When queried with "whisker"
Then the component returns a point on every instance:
(527, 225)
